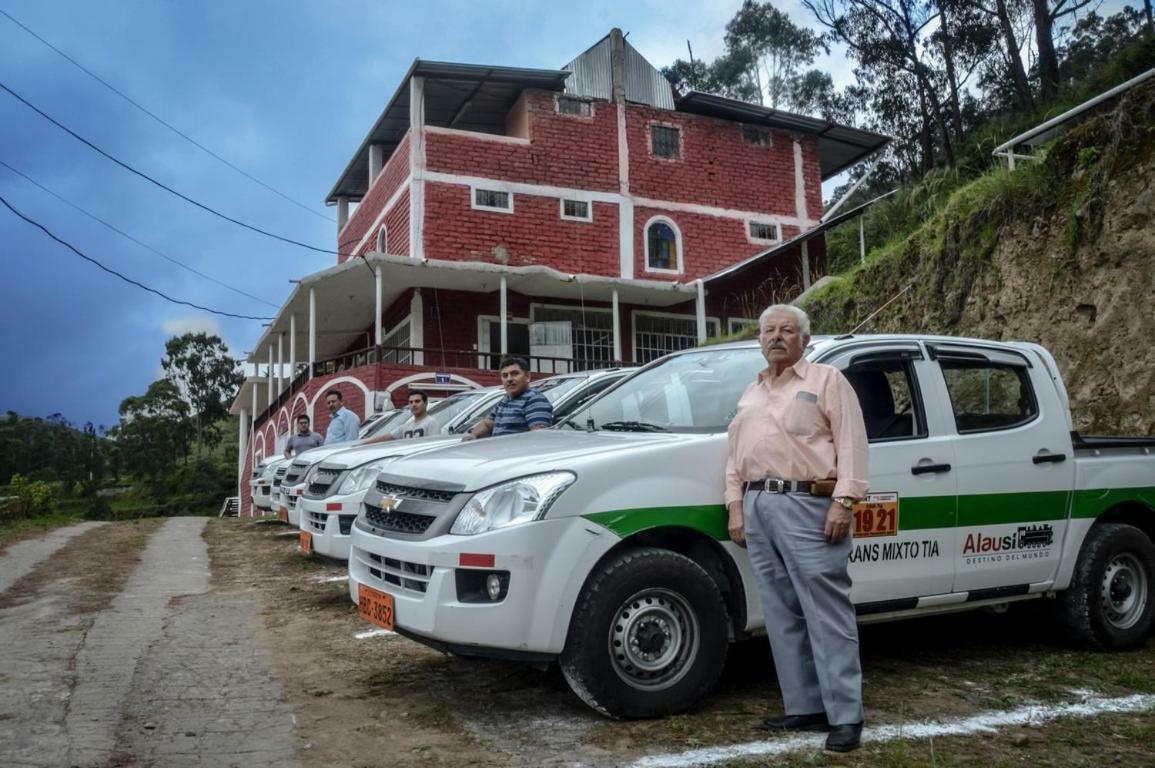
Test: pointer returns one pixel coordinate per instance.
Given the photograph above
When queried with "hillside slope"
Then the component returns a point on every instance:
(1061, 252)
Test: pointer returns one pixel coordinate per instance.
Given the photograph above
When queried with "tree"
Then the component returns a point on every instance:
(1047, 13)
(154, 431)
(206, 376)
(777, 49)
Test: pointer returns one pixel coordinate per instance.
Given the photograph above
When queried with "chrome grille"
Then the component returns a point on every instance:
(279, 476)
(413, 577)
(420, 494)
(399, 522)
(290, 501)
(323, 480)
(345, 524)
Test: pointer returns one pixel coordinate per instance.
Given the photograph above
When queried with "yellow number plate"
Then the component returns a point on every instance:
(876, 515)
(375, 607)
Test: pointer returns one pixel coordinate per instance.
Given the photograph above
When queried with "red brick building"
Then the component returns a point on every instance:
(577, 216)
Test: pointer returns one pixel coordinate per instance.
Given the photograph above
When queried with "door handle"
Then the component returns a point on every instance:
(1049, 458)
(926, 469)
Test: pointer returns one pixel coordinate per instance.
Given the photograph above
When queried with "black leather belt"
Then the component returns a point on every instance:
(777, 485)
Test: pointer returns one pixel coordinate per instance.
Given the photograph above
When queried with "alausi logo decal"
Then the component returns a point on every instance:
(1029, 542)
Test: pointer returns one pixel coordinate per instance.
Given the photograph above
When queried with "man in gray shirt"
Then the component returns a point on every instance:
(304, 439)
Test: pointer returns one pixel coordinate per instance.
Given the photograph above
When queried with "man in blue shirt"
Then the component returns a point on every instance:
(344, 423)
(522, 408)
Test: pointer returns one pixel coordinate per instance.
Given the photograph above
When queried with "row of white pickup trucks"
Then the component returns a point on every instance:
(601, 544)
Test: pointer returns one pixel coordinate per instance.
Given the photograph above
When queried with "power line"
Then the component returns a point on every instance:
(155, 117)
(113, 272)
(129, 237)
(166, 188)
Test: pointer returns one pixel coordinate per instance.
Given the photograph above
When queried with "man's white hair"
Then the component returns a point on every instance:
(800, 317)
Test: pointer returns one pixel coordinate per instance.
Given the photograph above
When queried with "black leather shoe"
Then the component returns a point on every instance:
(815, 722)
(844, 738)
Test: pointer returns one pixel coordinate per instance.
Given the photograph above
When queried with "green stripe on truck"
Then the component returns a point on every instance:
(914, 513)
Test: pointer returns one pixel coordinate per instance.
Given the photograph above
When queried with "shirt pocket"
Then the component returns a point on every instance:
(802, 416)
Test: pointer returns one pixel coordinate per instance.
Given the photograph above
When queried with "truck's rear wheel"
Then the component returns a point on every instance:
(1110, 601)
(648, 636)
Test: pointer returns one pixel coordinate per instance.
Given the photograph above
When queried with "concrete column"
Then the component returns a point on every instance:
(312, 329)
(269, 399)
(256, 386)
(292, 348)
(504, 318)
(376, 161)
(805, 265)
(378, 332)
(342, 213)
(799, 185)
(417, 327)
(700, 306)
(417, 167)
(242, 451)
(617, 328)
(280, 375)
(862, 239)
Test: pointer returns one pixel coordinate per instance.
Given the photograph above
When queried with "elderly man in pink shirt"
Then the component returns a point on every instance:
(797, 464)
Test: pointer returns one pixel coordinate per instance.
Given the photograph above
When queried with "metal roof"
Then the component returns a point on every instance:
(472, 97)
(839, 146)
(796, 240)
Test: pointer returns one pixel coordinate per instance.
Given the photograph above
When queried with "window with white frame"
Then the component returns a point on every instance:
(735, 324)
(657, 334)
(492, 200)
(383, 240)
(396, 345)
(577, 210)
(592, 332)
(663, 246)
(568, 105)
(763, 231)
(665, 141)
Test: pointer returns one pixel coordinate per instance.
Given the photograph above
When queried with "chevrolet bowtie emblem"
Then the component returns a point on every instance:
(390, 503)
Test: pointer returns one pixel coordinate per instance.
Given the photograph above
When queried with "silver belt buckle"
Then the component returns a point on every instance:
(776, 486)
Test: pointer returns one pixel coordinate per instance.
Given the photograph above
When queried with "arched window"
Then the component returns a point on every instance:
(383, 240)
(663, 246)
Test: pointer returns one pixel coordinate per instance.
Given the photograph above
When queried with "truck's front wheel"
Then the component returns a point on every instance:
(1110, 602)
(648, 636)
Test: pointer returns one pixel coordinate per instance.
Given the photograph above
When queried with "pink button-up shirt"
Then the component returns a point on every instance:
(805, 424)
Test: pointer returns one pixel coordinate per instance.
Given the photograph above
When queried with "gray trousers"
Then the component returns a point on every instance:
(805, 589)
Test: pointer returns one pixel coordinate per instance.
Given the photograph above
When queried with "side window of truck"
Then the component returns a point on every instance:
(888, 393)
(988, 396)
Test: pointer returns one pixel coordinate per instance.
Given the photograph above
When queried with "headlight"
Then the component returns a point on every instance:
(518, 501)
(363, 476)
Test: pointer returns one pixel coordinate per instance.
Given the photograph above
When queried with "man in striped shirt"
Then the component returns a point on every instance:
(522, 408)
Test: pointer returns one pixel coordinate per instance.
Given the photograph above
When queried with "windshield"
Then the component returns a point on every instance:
(380, 424)
(693, 392)
(556, 387)
(448, 408)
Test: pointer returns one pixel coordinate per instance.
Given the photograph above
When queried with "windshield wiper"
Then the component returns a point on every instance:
(633, 426)
(589, 427)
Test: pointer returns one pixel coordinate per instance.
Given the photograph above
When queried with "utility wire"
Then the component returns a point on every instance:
(113, 272)
(129, 237)
(155, 117)
(166, 188)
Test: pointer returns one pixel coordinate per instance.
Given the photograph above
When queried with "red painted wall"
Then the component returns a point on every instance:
(393, 175)
(534, 233)
(717, 167)
(564, 150)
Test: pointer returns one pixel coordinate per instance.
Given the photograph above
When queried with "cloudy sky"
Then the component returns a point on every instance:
(284, 90)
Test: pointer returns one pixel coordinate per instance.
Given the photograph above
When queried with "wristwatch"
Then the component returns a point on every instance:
(845, 501)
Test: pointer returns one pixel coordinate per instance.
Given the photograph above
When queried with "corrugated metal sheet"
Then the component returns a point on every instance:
(644, 84)
(591, 76)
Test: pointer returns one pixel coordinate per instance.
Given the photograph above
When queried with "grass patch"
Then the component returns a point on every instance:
(30, 527)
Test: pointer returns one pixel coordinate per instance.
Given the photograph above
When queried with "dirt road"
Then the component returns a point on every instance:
(190, 642)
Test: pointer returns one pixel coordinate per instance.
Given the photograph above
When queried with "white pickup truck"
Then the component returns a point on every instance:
(602, 544)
